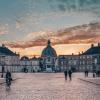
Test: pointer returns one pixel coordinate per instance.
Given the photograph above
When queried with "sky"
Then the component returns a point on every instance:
(26, 25)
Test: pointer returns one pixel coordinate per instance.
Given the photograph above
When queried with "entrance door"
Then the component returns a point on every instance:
(48, 68)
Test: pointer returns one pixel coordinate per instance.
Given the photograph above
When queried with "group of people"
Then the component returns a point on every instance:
(68, 73)
(87, 72)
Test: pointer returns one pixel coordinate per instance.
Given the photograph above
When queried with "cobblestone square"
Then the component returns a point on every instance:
(49, 86)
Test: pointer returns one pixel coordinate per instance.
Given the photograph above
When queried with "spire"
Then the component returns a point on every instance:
(49, 42)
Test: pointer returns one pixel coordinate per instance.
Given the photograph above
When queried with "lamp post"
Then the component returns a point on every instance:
(94, 66)
(63, 61)
(3, 69)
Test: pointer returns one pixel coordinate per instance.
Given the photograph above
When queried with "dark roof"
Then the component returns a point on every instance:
(49, 51)
(6, 51)
(92, 50)
(24, 58)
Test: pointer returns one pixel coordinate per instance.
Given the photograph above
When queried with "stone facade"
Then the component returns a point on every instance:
(88, 60)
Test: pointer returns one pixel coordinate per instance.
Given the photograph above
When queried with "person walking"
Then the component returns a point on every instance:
(3, 69)
(65, 73)
(93, 75)
(70, 74)
(8, 78)
(87, 73)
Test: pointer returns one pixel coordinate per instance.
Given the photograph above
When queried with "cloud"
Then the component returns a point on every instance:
(62, 7)
(87, 33)
(3, 29)
(76, 5)
(19, 24)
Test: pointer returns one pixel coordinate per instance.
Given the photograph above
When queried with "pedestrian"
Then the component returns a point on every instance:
(8, 78)
(70, 74)
(65, 73)
(3, 69)
(87, 73)
(93, 74)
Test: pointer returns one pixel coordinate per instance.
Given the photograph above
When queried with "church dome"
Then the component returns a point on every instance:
(49, 51)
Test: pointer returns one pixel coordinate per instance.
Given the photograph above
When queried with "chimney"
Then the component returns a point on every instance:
(92, 45)
(98, 44)
(3, 45)
(72, 53)
(79, 53)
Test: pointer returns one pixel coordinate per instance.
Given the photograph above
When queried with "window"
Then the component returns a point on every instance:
(48, 59)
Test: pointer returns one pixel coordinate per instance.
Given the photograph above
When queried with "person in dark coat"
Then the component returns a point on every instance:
(86, 73)
(8, 78)
(70, 74)
(3, 69)
(65, 73)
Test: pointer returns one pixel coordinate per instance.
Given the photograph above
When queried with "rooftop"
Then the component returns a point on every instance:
(92, 50)
(5, 51)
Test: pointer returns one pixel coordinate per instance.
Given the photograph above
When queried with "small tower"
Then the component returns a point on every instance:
(92, 45)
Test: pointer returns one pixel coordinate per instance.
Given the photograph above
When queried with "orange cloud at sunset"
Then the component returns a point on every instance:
(60, 49)
(72, 40)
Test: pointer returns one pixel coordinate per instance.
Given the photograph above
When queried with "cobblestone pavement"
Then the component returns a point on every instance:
(49, 86)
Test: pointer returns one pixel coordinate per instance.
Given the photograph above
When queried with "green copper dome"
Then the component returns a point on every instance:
(49, 51)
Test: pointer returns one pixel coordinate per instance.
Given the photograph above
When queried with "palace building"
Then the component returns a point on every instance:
(88, 60)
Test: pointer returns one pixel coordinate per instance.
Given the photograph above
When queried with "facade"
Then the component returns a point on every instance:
(49, 57)
(25, 64)
(8, 59)
(88, 60)
(35, 64)
(29, 65)
(49, 61)
(67, 62)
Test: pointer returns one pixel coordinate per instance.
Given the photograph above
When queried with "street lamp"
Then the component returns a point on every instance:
(3, 69)
(63, 62)
(94, 66)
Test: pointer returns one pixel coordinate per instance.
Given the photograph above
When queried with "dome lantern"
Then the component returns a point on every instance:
(49, 51)
(49, 42)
